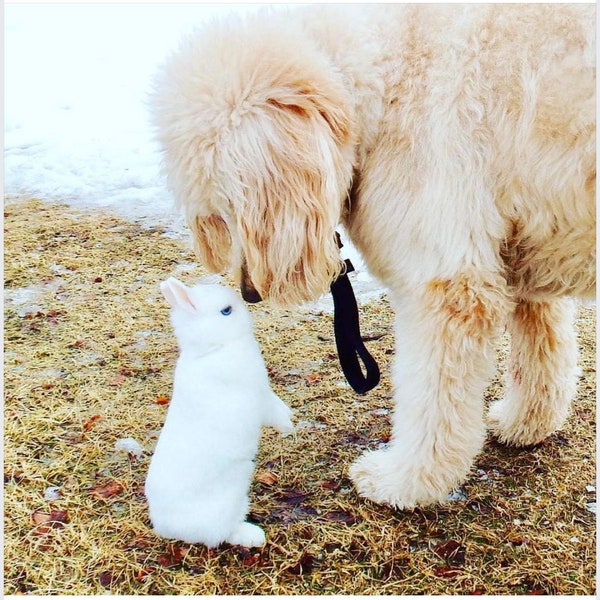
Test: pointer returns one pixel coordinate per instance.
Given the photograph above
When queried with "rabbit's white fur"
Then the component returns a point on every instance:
(197, 484)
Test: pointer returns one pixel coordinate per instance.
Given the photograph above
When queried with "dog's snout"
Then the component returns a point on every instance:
(249, 292)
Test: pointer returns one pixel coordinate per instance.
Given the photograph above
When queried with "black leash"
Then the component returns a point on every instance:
(348, 340)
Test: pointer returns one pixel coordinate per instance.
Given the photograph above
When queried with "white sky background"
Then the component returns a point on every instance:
(76, 79)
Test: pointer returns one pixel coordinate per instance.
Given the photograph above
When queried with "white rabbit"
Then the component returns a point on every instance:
(200, 473)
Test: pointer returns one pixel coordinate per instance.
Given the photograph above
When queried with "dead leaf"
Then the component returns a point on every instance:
(305, 532)
(341, 516)
(304, 566)
(451, 551)
(517, 540)
(167, 561)
(332, 546)
(251, 560)
(291, 507)
(354, 438)
(292, 496)
(106, 579)
(143, 573)
(60, 517)
(14, 477)
(52, 316)
(267, 478)
(291, 514)
(162, 400)
(444, 571)
(106, 490)
(46, 521)
(250, 557)
(90, 422)
(174, 557)
(330, 485)
(179, 552)
(312, 379)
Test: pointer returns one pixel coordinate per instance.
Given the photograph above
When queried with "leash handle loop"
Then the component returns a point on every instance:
(348, 340)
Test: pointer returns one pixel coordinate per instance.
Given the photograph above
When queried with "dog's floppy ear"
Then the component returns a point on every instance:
(212, 242)
(311, 100)
(287, 225)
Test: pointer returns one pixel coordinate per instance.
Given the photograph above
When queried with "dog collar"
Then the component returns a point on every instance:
(350, 347)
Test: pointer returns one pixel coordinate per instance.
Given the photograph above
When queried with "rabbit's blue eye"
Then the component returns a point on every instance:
(226, 311)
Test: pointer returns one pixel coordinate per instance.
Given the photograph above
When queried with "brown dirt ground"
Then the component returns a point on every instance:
(89, 351)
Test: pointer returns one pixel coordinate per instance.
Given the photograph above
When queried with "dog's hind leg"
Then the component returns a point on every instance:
(445, 354)
(542, 374)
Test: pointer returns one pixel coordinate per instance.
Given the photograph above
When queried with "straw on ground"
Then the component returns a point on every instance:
(89, 355)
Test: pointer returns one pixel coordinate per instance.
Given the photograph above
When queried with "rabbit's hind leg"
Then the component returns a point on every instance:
(248, 535)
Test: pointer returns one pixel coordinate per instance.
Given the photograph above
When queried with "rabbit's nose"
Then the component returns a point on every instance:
(249, 293)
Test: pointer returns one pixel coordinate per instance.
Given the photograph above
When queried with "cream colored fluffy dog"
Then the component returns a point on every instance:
(456, 145)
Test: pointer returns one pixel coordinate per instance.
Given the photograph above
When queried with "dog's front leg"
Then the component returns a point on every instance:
(445, 331)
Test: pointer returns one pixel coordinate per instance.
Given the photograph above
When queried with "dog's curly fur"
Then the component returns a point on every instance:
(456, 144)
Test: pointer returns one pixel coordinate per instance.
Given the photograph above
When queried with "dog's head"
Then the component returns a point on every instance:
(256, 128)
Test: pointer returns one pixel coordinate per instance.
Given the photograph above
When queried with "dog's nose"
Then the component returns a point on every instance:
(249, 293)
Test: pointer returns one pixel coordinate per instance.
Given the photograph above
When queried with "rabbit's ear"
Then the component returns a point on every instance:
(177, 294)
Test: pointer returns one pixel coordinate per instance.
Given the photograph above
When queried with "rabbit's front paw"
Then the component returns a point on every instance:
(248, 535)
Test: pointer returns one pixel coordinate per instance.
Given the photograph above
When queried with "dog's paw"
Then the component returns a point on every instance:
(248, 535)
(514, 430)
(497, 422)
(381, 477)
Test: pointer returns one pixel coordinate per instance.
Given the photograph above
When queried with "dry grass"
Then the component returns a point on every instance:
(88, 350)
